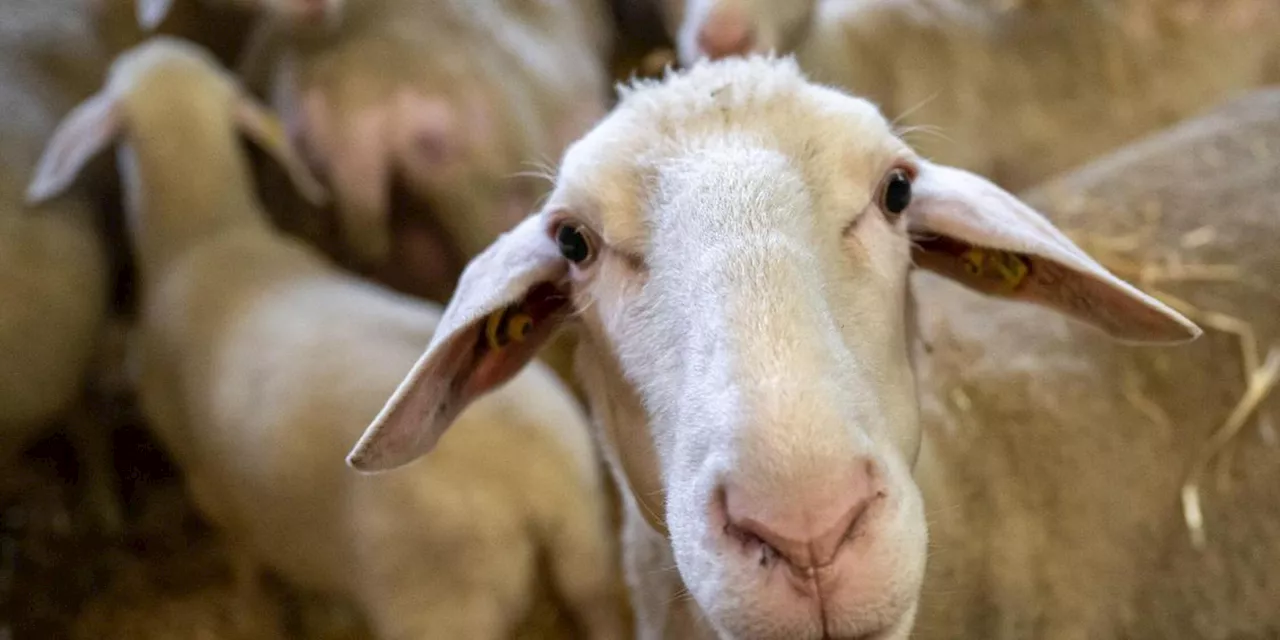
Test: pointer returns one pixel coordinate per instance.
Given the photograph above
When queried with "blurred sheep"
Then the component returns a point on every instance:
(54, 262)
(1015, 89)
(1067, 454)
(431, 120)
(259, 362)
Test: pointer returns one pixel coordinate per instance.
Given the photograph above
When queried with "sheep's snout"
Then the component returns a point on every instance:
(728, 31)
(833, 548)
(805, 530)
(715, 29)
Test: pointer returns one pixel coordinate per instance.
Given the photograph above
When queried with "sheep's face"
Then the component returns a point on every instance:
(735, 243)
(748, 267)
(721, 28)
(445, 142)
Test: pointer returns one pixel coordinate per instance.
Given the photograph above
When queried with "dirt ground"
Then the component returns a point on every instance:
(167, 576)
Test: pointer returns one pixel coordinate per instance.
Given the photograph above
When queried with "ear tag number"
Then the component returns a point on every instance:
(994, 264)
(507, 326)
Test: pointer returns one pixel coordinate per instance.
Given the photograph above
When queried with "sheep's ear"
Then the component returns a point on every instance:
(509, 301)
(266, 130)
(82, 134)
(152, 12)
(968, 229)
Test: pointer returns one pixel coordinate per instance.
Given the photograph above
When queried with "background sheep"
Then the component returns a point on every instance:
(427, 117)
(734, 244)
(1015, 90)
(54, 266)
(1069, 453)
(255, 354)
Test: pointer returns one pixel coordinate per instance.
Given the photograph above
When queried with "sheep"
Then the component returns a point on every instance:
(425, 118)
(1019, 90)
(54, 263)
(721, 28)
(257, 361)
(732, 246)
(1069, 453)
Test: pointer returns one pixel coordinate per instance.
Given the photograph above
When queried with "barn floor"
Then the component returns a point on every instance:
(167, 576)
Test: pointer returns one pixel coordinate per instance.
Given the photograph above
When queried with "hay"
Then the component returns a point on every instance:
(1132, 391)
(1260, 377)
(1260, 386)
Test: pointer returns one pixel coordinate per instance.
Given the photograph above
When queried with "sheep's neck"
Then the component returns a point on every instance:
(182, 187)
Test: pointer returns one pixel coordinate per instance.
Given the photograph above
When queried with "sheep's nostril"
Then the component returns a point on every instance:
(807, 531)
(752, 542)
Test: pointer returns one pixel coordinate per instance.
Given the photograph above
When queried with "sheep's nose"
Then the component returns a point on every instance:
(809, 528)
(726, 34)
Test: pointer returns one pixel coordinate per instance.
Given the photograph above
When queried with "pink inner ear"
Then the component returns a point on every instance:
(969, 229)
(1047, 283)
(546, 304)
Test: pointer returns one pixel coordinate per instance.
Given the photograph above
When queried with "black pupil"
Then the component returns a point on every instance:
(897, 194)
(573, 245)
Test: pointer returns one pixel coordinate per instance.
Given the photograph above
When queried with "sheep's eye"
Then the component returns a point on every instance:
(897, 192)
(573, 243)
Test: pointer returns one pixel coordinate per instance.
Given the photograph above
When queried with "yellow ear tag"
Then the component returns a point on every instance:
(507, 326)
(518, 326)
(491, 330)
(996, 265)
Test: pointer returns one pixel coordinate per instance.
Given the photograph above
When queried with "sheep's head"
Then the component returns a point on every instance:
(426, 124)
(721, 28)
(735, 243)
(146, 86)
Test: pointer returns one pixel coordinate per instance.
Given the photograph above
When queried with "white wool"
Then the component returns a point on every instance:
(742, 309)
(1067, 452)
(53, 262)
(463, 104)
(1017, 91)
(259, 363)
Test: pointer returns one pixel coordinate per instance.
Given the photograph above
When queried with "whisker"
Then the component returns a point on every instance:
(919, 105)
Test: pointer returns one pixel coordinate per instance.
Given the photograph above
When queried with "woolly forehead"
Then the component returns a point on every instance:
(752, 134)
